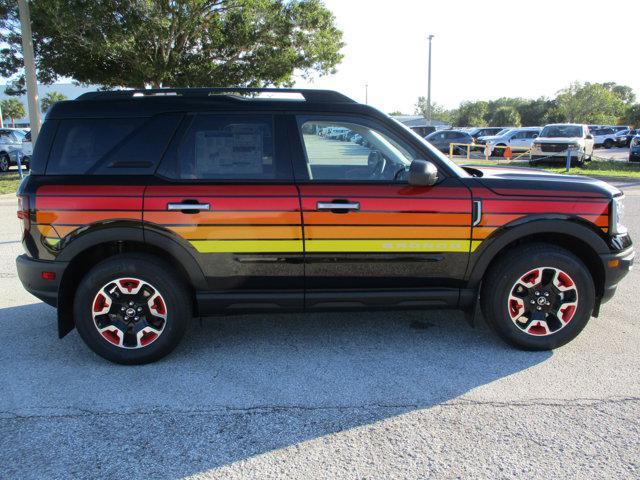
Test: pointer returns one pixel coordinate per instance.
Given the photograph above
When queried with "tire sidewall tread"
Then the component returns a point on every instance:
(145, 267)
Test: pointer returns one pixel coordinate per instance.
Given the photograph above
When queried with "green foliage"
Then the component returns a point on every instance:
(471, 114)
(506, 116)
(12, 108)
(632, 115)
(590, 103)
(535, 113)
(50, 98)
(438, 112)
(623, 92)
(177, 43)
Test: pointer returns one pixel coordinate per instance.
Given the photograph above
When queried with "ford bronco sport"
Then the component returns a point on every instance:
(147, 208)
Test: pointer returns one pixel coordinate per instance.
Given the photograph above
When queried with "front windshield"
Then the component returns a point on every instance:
(561, 131)
(503, 131)
(457, 169)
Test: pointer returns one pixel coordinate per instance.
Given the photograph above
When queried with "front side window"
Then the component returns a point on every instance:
(228, 147)
(348, 150)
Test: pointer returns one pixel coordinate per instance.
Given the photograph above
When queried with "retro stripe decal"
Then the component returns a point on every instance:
(269, 218)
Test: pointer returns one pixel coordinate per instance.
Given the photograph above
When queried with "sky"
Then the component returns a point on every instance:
(481, 50)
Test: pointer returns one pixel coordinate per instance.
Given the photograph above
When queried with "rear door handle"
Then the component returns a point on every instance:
(189, 207)
(338, 206)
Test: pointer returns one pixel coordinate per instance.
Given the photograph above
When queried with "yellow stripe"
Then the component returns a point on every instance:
(247, 246)
(391, 245)
(348, 246)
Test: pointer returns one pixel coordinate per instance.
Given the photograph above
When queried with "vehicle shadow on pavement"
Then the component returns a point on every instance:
(236, 387)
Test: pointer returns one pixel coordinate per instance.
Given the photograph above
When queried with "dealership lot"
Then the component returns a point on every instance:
(360, 395)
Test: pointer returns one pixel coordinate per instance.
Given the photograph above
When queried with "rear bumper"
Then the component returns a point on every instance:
(30, 274)
(614, 274)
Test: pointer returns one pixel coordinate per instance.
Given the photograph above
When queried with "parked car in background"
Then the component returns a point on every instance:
(10, 146)
(623, 138)
(519, 138)
(619, 128)
(485, 131)
(634, 149)
(442, 139)
(555, 140)
(27, 150)
(605, 137)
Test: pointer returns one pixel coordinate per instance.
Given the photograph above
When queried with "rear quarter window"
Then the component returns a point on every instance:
(81, 144)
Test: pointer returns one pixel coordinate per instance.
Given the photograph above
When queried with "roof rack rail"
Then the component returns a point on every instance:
(309, 95)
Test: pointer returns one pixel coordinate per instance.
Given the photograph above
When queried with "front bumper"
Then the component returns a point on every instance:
(30, 274)
(616, 267)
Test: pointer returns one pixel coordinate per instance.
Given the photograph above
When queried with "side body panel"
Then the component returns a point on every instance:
(250, 239)
(401, 237)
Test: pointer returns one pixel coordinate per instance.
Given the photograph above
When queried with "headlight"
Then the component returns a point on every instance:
(616, 216)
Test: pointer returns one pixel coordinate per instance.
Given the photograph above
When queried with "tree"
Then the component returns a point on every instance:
(505, 116)
(177, 43)
(632, 115)
(12, 108)
(623, 92)
(471, 114)
(535, 112)
(494, 105)
(50, 98)
(590, 103)
(438, 112)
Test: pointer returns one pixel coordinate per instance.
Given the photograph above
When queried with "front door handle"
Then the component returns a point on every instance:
(189, 207)
(339, 206)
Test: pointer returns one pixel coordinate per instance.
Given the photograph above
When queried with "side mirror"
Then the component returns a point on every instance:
(535, 135)
(422, 173)
(589, 137)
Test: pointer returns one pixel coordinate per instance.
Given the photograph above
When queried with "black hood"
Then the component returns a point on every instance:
(512, 180)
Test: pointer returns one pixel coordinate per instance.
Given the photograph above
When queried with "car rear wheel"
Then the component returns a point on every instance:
(132, 309)
(4, 162)
(608, 143)
(538, 297)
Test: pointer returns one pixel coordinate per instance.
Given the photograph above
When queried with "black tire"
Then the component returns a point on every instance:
(25, 162)
(501, 279)
(5, 162)
(498, 152)
(608, 143)
(155, 272)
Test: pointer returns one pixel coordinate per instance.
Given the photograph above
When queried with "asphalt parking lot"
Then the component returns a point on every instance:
(364, 395)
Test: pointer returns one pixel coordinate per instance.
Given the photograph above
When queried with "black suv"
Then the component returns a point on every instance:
(146, 208)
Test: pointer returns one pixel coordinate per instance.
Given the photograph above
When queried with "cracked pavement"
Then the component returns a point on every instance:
(358, 395)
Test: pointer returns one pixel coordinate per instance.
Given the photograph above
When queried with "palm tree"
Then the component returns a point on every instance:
(12, 108)
(50, 98)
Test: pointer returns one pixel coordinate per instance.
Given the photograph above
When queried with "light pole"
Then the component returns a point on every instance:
(429, 85)
(29, 69)
(366, 94)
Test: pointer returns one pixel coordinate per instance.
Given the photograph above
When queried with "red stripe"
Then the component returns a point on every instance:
(348, 191)
(223, 204)
(544, 206)
(396, 205)
(89, 203)
(115, 190)
(222, 190)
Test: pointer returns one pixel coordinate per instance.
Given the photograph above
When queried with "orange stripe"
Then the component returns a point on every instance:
(257, 218)
(365, 218)
(238, 233)
(346, 232)
(480, 233)
(82, 218)
(56, 231)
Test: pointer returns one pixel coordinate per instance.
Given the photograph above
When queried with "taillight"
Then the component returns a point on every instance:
(23, 211)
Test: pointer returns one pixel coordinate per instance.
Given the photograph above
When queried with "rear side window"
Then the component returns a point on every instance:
(82, 143)
(227, 147)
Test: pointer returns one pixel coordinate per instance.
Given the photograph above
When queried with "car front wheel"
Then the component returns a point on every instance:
(132, 309)
(538, 297)
(4, 162)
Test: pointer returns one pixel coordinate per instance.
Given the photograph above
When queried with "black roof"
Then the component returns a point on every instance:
(143, 103)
